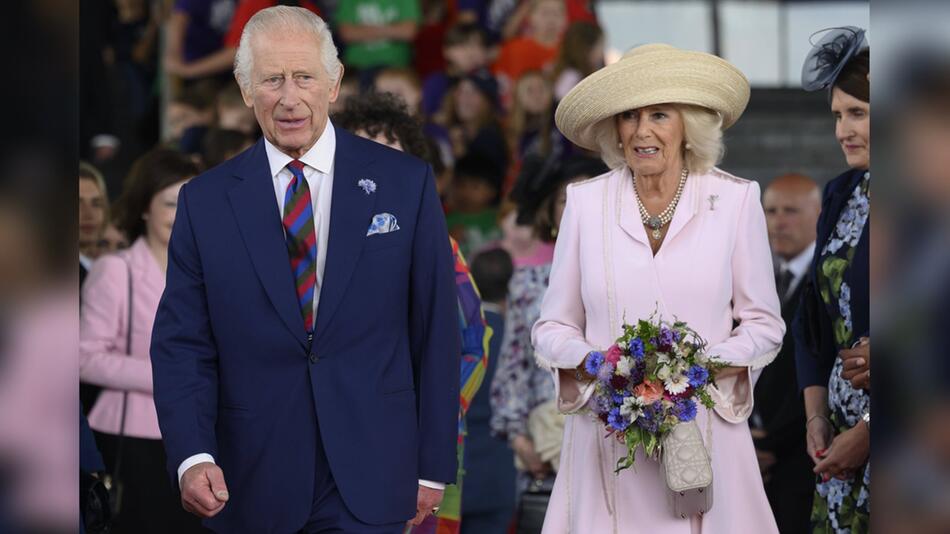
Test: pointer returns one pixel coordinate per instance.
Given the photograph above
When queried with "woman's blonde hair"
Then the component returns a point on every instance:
(702, 131)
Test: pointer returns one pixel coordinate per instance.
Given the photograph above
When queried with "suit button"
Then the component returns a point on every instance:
(313, 358)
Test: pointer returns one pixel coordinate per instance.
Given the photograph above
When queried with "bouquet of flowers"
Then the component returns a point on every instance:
(648, 382)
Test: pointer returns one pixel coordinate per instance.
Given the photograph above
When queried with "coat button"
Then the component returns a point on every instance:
(313, 358)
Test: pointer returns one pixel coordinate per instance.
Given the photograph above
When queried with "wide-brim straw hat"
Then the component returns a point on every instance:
(649, 75)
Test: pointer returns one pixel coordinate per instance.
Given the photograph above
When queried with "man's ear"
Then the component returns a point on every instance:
(246, 95)
(335, 91)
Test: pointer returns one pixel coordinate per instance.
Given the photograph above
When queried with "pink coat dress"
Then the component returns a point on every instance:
(103, 359)
(713, 268)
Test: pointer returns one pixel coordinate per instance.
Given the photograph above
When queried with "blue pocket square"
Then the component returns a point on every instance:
(383, 223)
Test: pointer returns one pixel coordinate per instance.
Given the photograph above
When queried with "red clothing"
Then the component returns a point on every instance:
(522, 54)
(247, 9)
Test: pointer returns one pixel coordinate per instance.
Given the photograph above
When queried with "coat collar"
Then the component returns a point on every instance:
(628, 212)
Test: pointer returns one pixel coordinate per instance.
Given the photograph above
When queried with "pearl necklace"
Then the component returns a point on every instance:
(655, 222)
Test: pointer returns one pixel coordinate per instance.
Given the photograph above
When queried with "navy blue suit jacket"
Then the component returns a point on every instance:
(236, 376)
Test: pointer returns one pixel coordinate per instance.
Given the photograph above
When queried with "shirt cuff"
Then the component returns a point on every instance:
(432, 485)
(192, 461)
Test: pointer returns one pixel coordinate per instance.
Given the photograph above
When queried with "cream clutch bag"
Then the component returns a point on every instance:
(687, 468)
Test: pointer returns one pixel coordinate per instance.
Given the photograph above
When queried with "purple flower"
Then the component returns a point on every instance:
(636, 348)
(602, 403)
(697, 376)
(594, 360)
(617, 421)
(648, 420)
(685, 410)
(666, 340)
(605, 372)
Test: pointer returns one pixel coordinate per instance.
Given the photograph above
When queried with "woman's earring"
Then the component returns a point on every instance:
(620, 145)
(689, 146)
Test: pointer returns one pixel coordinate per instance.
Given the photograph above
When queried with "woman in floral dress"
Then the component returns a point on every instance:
(832, 331)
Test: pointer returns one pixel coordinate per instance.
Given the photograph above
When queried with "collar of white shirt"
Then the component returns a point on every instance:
(319, 157)
(799, 264)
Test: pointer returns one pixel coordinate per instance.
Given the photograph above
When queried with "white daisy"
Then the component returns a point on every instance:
(664, 372)
(676, 384)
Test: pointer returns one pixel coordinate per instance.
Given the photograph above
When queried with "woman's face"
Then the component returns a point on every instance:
(534, 94)
(652, 139)
(470, 103)
(161, 214)
(92, 211)
(852, 128)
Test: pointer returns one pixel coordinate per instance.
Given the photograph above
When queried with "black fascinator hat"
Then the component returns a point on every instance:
(830, 55)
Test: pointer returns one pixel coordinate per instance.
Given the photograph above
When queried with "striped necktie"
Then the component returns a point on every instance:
(301, 240)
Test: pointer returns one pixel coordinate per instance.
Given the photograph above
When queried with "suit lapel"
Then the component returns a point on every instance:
(350, 217)
(258, 219)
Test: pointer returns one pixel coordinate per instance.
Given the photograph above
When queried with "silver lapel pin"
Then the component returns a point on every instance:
(712, 202)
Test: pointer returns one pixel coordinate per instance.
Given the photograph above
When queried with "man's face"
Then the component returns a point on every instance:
(289, 90)
(791, 215)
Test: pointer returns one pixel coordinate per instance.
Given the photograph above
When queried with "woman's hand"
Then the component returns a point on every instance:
(818, 434)
(848, 452)
(524, 448)
(856, 364)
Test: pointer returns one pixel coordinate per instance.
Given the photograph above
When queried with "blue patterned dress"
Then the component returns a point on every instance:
(842, 506)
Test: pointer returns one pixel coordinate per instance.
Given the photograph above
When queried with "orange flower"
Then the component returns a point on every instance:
(649, 391)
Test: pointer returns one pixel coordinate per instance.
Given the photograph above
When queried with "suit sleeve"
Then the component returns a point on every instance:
(434, 339)
(184, 354)
(757, 339)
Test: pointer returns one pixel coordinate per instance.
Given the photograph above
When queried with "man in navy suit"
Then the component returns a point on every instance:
(305, 352)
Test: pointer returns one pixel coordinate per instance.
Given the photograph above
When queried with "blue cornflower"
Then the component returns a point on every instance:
(636, 348)
(594, 360)
(617, 421)
(697, 376)
(647, 420)
(685, 410)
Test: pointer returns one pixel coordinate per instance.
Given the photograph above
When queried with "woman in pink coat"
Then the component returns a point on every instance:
(125, 407)
(665, 231)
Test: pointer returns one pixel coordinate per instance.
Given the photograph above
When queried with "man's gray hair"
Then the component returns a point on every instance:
(284, 19)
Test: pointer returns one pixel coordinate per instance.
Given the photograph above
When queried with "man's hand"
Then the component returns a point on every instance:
(856, 364)
(203, 491)
(428, 499)
(847, 453)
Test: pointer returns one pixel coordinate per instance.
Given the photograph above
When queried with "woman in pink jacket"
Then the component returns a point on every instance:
(123, 416)
(665, 231)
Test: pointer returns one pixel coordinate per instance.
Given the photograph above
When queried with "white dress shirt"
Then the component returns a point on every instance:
(318, 171)
(798, 266)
